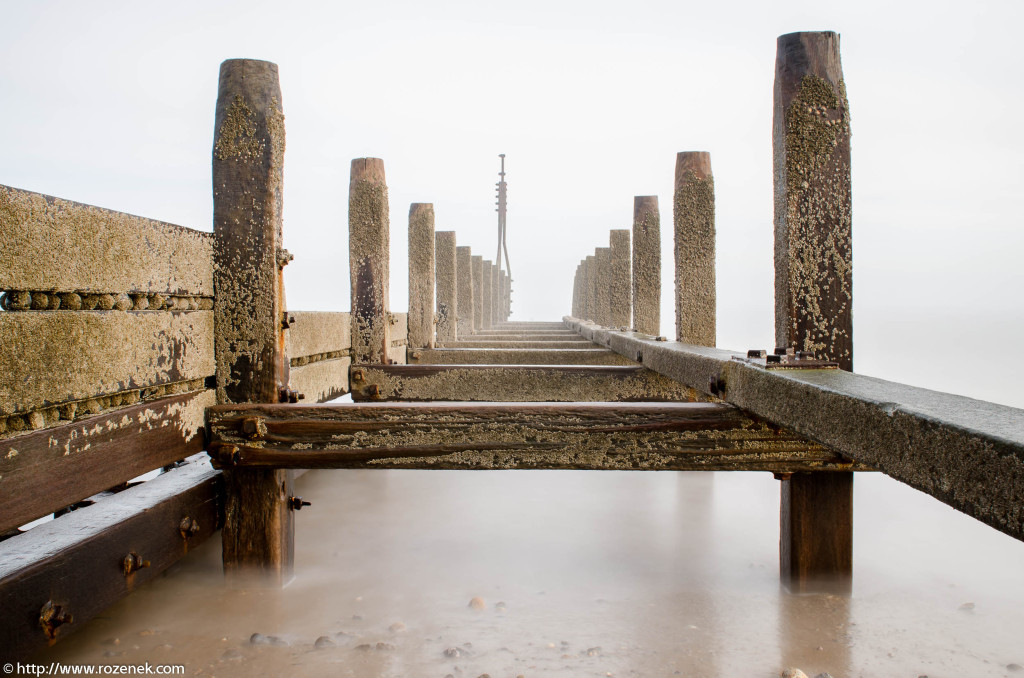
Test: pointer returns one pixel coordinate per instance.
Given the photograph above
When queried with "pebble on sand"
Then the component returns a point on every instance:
(792, 672)
(323, 642)
(397, 627)
(1014, 667)
(477, 603)
(452, 652)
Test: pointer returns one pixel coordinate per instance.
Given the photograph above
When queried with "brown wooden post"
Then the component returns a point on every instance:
(369, 261)
(447, 295)
(464, 282)
(621, 288)
(486, 307)
(694, 215)
(421, 275)
(646, 265)
(252, 366)
(495, 296)
(592, 275)
(603, 257)
(813, 280)
(477, 262)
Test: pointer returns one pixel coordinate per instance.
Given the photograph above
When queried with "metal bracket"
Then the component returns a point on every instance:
(786, 359)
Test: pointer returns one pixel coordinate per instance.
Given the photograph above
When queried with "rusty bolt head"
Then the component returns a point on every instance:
(373, 390)
(757, 353)
(774, 359)
(133, 562)
(804, 355)
(254, 427)
(782, 350)
(661, 339)
(357, 375)
(415, 355)
(51, 616)
(296, 503)
(188, 527)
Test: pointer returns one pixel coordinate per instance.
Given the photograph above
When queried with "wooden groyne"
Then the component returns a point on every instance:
(169, 348)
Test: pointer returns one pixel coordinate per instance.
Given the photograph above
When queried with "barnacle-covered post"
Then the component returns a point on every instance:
(646, 265)
(576, 292)
(447, 294)
(477, 263)
(421, 275)
(252, 366)
(813, 279)
(495, 295)
(369, 261)
(621, 295)
(603, 257)
(694, 216)
(487, 302)
(464, 280)
(591, 288)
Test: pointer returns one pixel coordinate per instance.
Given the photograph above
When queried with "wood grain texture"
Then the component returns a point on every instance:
(318, 332)
(76, 561)
(322, 381)
(816, 519)
(44, 471)
(622, 436)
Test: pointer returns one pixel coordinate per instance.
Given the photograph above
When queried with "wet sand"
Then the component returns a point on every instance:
(581, 574)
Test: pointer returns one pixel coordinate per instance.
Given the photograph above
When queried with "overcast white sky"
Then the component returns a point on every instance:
(111, 103)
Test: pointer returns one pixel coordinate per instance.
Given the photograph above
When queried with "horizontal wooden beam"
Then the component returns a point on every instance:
(77, 562)
(46, 470)
(53, 357)
(524, 356)
(599, 436)
(321, 381)
(515, 343)
(516, 383)
(315, 333)
(56, 244)
(964, 452)
(524, 336)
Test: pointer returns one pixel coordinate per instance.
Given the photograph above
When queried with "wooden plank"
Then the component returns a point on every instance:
(511, 343)
(321, 381)
(516, 383)
(316, 332)
(46, 470)
(646, 265)
(447, 286)
(421, 275)
(524, 356)
(56, 244)
(525, 335)
(53, 357)
(252, 366)
(694, 217)
(597, 436)
(964, 452)
(77, 561)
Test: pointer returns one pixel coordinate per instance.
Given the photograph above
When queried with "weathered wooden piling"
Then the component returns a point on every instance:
(813, 278)
(592, 288)
(447, 294)
(486, 309)
(369, 261)
(495, 295)
(464, 284)
(646, 265)
(694, 216)
(248, 165)
(477, 262)
(621, 299)
(603, 257)
(576, 292)
(506, 295)
(421, 275)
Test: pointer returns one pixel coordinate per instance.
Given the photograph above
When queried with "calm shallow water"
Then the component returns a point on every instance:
(596, 573)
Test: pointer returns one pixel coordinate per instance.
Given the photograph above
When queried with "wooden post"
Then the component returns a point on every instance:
(694, 215)
(506, 295)
(369, 261)
(464, 282)
(486, 308)
(576, 293)
(813, 280)
(592, 275)
(603, 257)
(646, 265)
(495, 296)
(477, 262)
(252, 366)
(621, 294)
(447, 295)
(421, 275)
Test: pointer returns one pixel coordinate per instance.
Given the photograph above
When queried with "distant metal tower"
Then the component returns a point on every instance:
(502, 242)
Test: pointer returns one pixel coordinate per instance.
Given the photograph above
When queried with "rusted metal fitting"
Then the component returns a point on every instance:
(287, 395)
(782, 350)
(661, 338)
(415, 355)
(188, 527)
(283, 257)
(254, 428)
(716, 387)
(357, 375)
(804, 355)
(296, 503)
(773, 359)
(287, 321)
(758, 353)
(782, 476)
(51, 616)
(373, 390)
(133, 562)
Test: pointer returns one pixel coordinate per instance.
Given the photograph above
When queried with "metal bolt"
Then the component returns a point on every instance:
(716, 387)
(804, 355)
(283, 257)
(188, 527)
(287, 321)
(51, 616)
(774, 359)
(253, 427)
(373, 390)
(415, 355)
(661, 339)
(357, 375)
(757, 353)
(782, 475)
(133, 562)
(296, 503)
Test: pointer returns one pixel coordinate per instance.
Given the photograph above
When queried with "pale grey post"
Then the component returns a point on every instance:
(621, 287)
(584, 289)
(495, 296)
(487, 308)
(478, 292)
(694, 216)
(464, 280)
(421, 275)
(369, 261)
(603, 256)
(592, 288)
(447, 295)
(646, 265)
